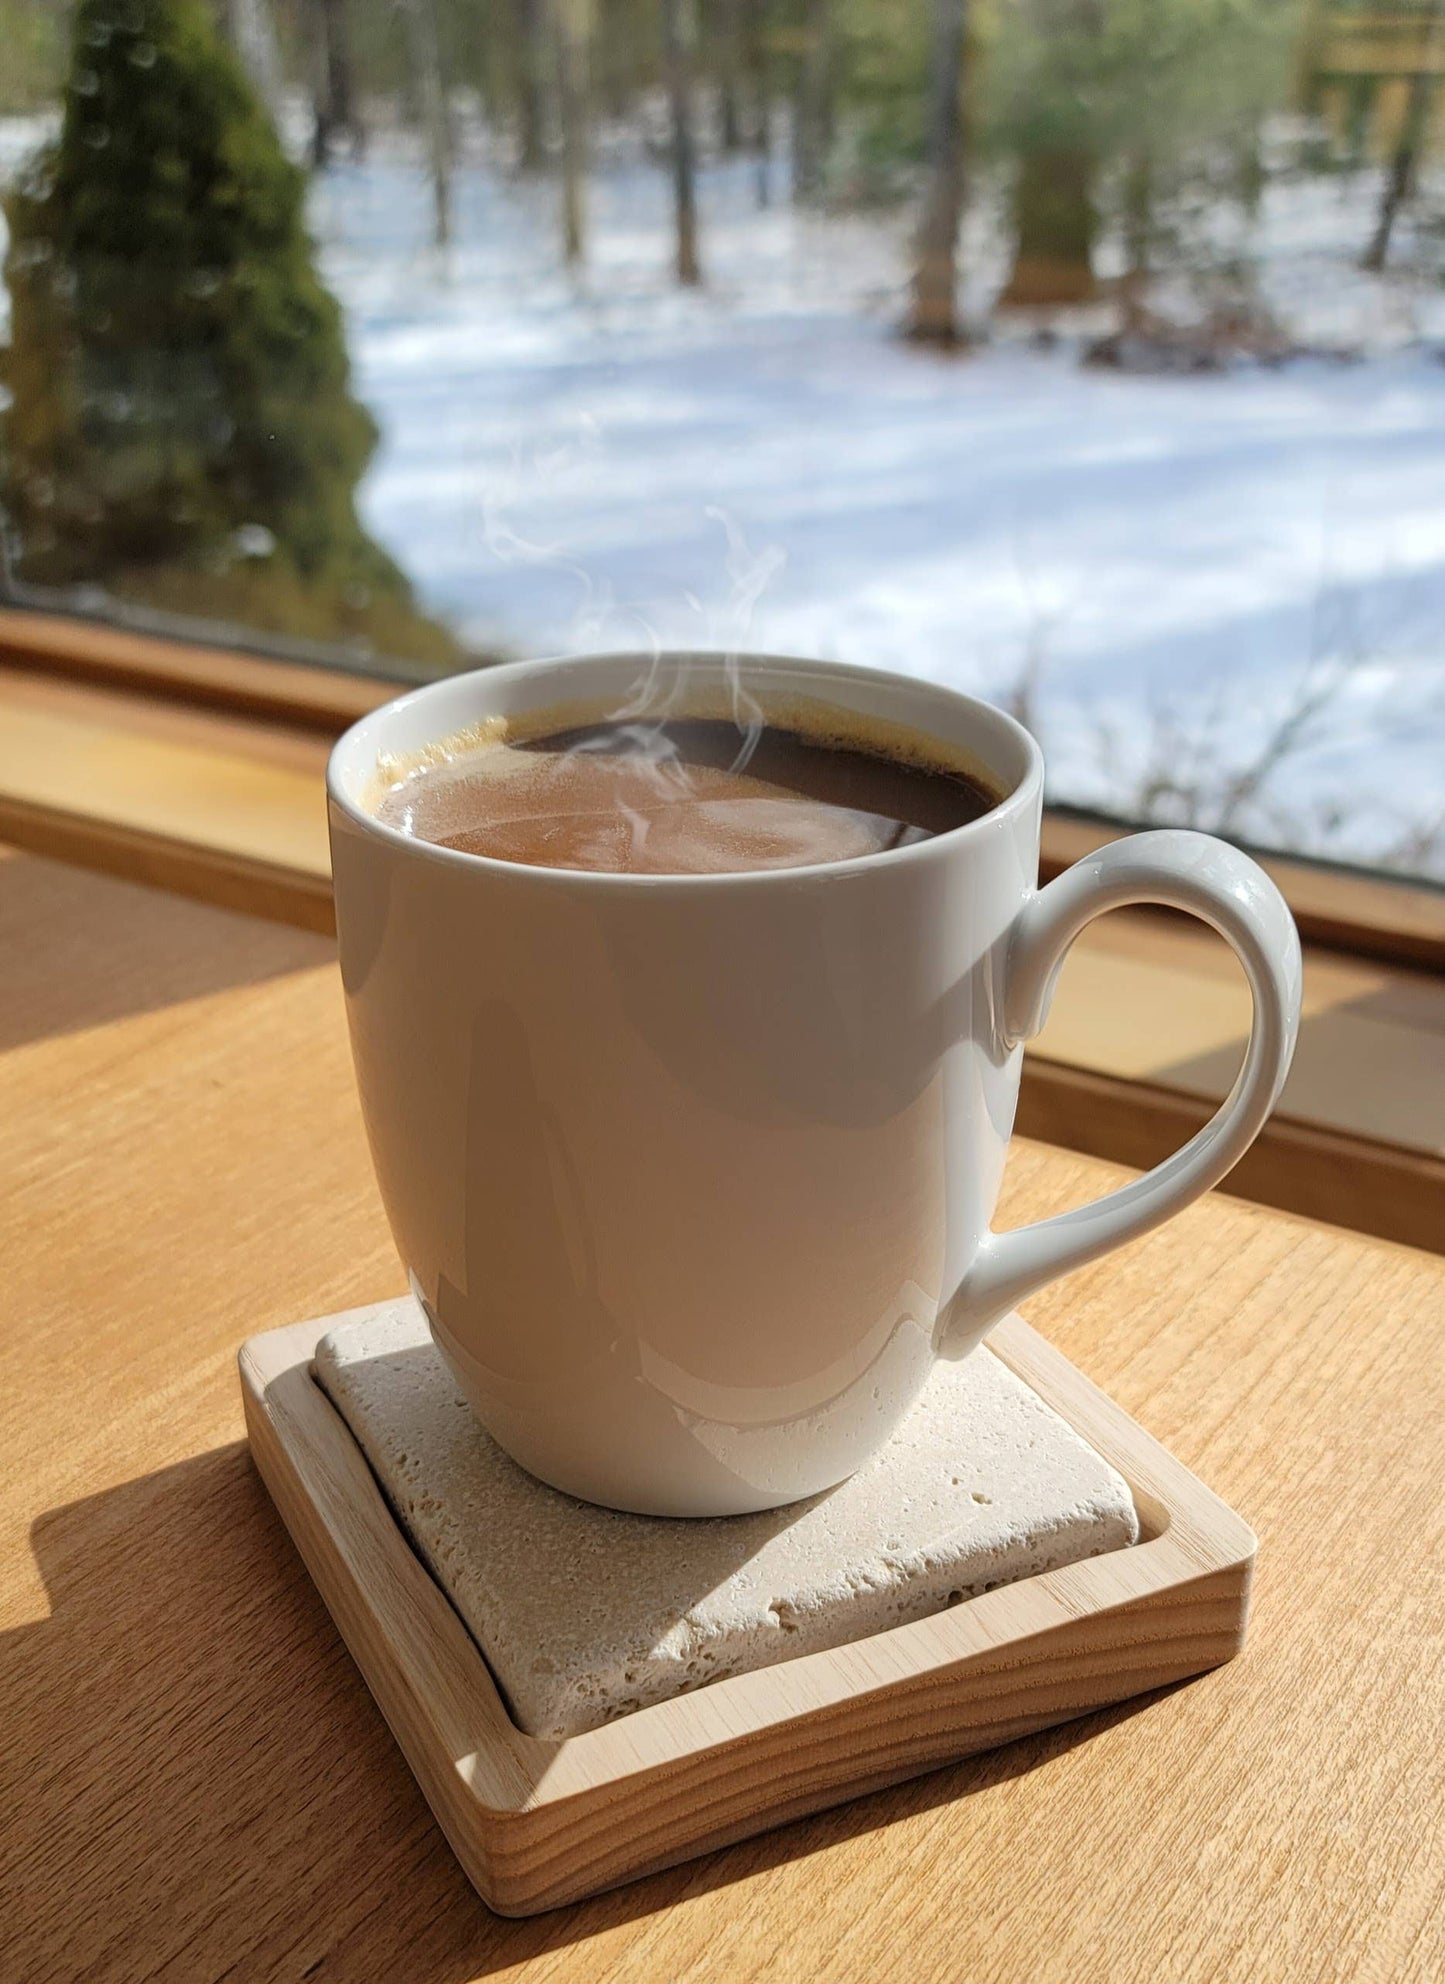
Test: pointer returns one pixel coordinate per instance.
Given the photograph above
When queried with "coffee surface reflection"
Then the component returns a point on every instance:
(693, 796)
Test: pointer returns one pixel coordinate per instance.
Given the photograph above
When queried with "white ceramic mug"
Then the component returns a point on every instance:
(693, 1175)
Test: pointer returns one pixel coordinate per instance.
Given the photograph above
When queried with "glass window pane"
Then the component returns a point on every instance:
(1084, 353)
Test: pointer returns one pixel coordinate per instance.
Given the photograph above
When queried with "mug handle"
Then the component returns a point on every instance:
(1211, 880)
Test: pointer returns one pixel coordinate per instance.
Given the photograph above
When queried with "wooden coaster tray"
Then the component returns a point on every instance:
(536, 1822)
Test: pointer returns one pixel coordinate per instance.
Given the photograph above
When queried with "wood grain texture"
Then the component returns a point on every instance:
(1299, 1167)
(208, 794)
(228, 808)
(195, 1783)
(540, 1822)
(136, 713)
(315, 697)
(1367, 915)
(226, 879)
(1144, 997)
(1138, 998)
(1360, 913)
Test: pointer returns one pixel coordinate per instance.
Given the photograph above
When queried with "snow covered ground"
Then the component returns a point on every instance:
(1192, 578)
(1185, 571)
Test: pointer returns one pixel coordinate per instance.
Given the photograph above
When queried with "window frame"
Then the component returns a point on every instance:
(1367, 914)
(265, 712)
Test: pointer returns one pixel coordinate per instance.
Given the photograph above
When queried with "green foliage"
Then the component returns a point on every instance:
(884, 66)
(180, 394)
(269, 597)
(1174, 92)
(32, 54)
(1137, 110)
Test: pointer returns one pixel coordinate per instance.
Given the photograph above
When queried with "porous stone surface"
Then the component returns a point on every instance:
(585, 1614)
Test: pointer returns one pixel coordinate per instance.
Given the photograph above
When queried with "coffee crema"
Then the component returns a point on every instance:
(684, 796)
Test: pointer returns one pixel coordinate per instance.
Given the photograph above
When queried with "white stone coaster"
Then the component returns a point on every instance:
(585, 1614)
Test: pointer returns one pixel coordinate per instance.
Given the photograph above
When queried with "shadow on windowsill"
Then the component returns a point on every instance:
(159, 950)
(199, 1776)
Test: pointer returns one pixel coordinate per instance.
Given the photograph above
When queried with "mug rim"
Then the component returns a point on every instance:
(1022, 795)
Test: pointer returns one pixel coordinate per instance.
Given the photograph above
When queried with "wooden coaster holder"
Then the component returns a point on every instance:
(536, 1823)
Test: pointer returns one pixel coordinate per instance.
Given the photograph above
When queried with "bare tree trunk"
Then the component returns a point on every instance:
(679, 27)
(754, 56)
(1400, 180)
(1309, 49)
(1138, 203)
(1251, 174)
(424, 41)
(934, 316)
(333, 89)
(252, 33)
(728, 45)
(531, 95)
(571, 30)
(812, 109)
(1404, 165)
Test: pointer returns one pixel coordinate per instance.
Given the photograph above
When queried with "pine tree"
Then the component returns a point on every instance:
(1055, 130)
(180, 391)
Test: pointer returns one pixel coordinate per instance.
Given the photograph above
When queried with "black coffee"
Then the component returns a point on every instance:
(686, 797)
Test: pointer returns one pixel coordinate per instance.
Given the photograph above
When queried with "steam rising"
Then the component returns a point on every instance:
(658, 776)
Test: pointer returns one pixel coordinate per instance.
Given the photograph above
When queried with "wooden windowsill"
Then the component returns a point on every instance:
(152, 685)
(1148, 1023)
(198, 1784)
(1365, 914)
(93, 651)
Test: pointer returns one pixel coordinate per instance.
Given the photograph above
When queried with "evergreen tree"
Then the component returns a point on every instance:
(32, 55)
(1052, 57)
(1143, 112)
(180, 392)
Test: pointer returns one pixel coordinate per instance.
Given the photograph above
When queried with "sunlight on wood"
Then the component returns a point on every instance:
(211, 798)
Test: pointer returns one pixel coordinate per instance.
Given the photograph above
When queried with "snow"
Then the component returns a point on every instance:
(1171, 568)
(1175, 564)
